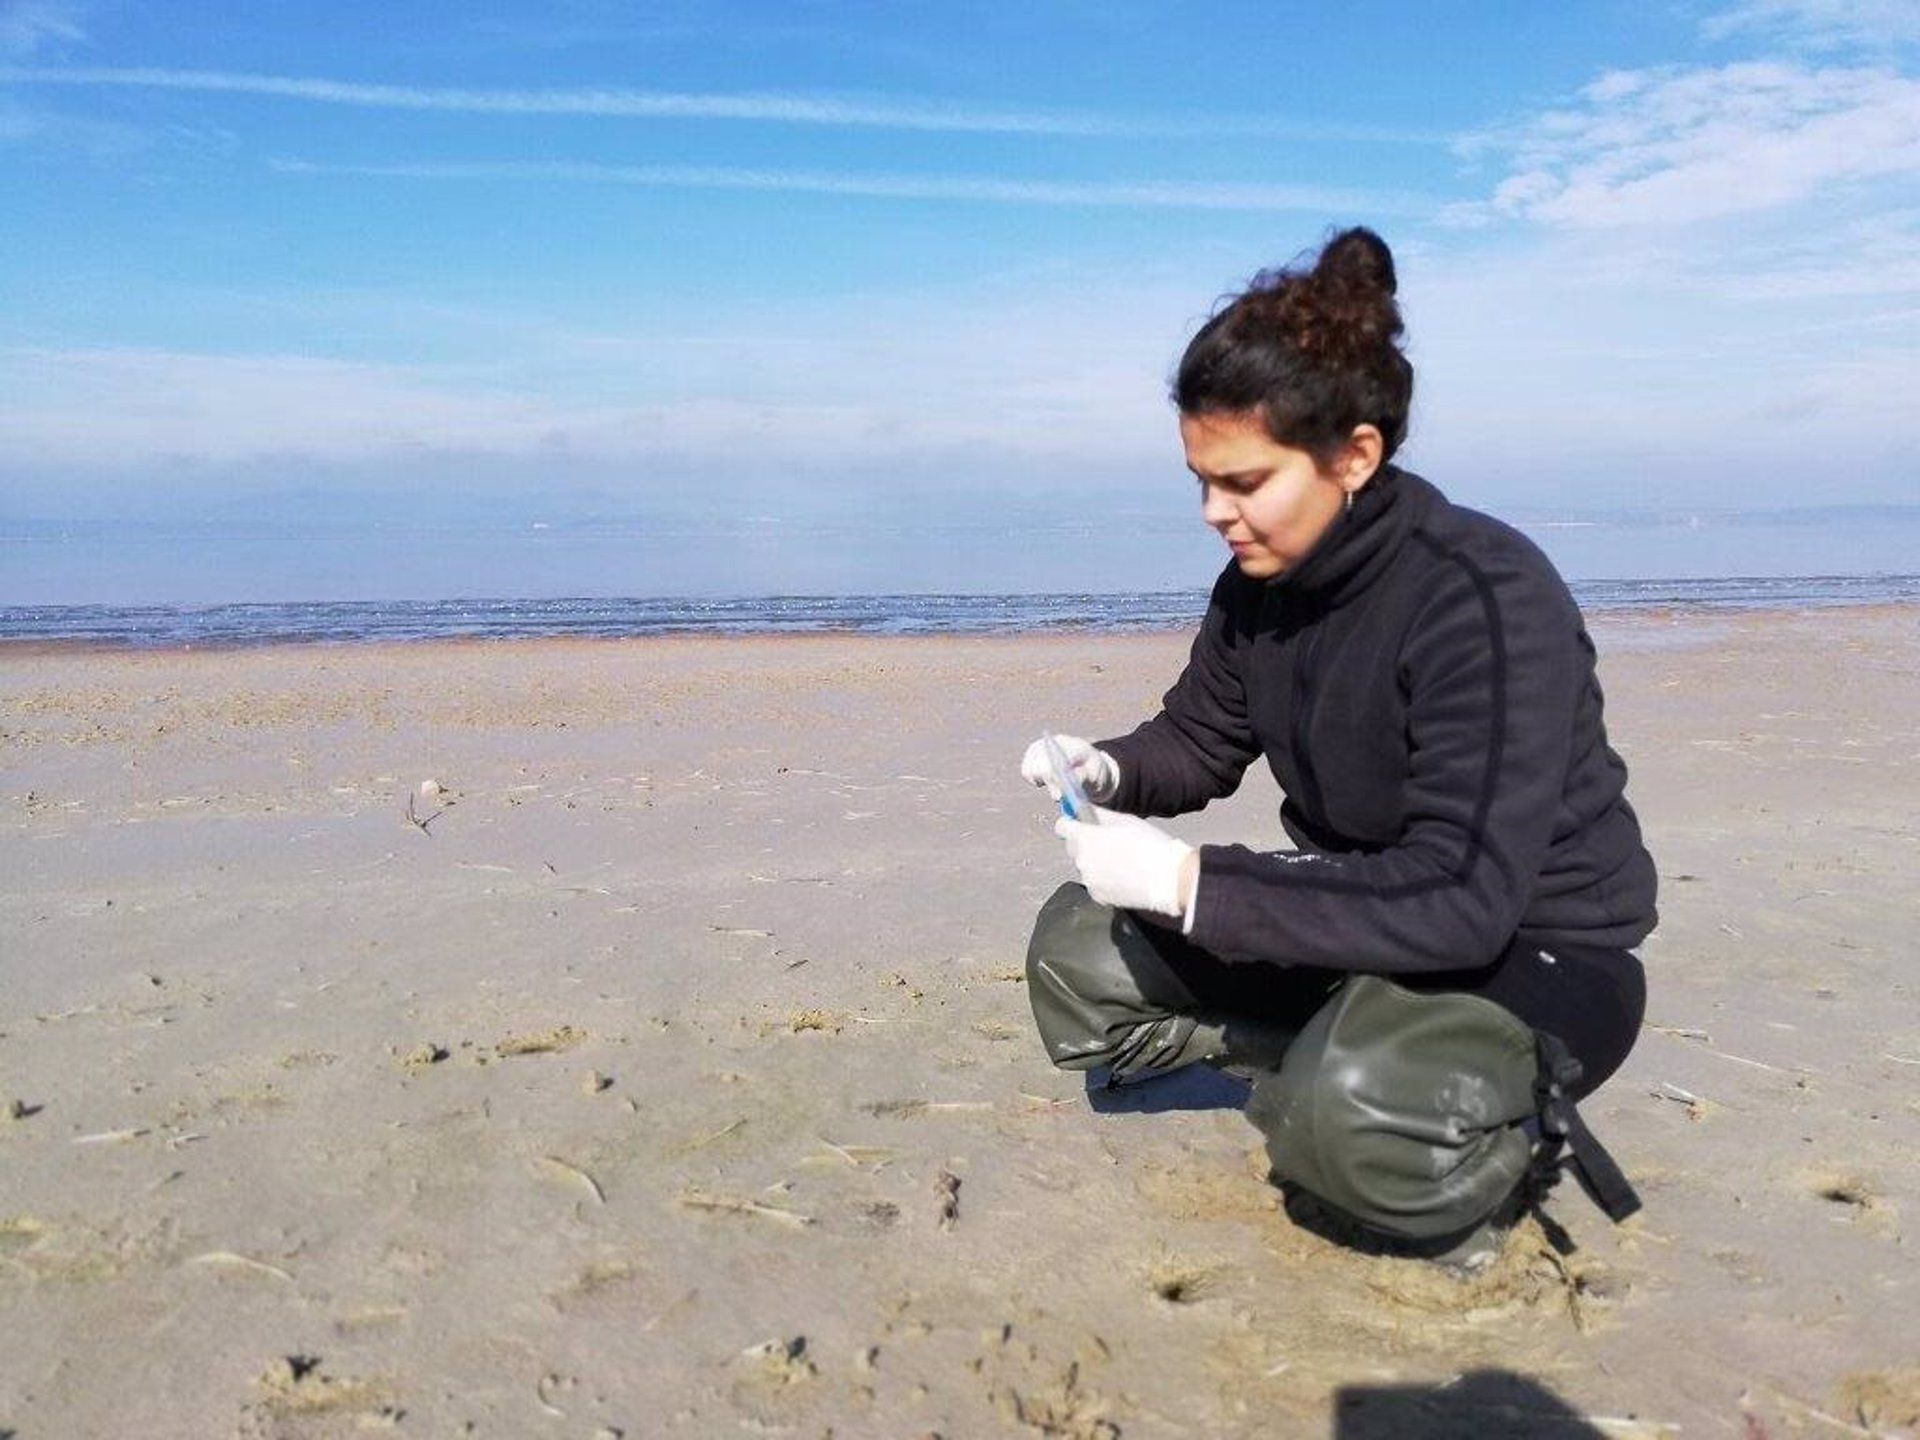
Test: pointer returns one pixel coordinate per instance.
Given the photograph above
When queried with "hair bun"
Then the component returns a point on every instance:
(1357, 260)
(1312, 346)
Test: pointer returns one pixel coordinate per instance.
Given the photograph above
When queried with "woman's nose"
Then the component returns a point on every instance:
(1216, 507)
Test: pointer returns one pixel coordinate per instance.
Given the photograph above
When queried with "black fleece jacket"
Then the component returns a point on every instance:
(1423, 687)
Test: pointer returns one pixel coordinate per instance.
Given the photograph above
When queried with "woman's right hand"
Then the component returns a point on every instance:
(1097, 771)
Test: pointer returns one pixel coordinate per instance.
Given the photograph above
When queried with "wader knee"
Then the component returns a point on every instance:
(1404, 1110)
(1103, 994)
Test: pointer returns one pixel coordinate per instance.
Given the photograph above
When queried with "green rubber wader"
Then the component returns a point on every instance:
(1403, 1109)
(1103, 995)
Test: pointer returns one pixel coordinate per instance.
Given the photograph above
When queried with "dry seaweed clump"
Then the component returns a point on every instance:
(1882, 1400)
(18, 1232)
(70, 1251)
(546, 1042)
(783, 1361)
(822, 1020)
(598, 1276)
(422, 1056)
(1528, 1273)
(1066, 1409)
(295, 1388)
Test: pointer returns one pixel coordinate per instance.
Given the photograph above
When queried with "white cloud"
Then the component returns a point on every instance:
(1045, 373)
(88, 136)
(1878, 255)
(133, 407)
(1568, 368)
(27, 25)
(1677, 147)
(1599, 369)
(127, 406)
(1822, 24)
(1168, 194)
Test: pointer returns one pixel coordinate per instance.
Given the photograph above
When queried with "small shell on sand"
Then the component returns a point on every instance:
(559, 1169)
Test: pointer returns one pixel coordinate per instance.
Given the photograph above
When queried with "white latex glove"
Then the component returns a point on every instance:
(1129, 863)
(1098, 772)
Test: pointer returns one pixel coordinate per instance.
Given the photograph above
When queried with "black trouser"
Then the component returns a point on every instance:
(1409, 1102)
(1592, 998)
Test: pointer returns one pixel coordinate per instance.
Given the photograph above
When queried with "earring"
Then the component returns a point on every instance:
(1349, 502)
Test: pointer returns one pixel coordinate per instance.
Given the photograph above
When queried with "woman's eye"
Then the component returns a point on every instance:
(1230, 484)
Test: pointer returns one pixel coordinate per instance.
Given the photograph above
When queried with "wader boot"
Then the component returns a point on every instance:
(1428, 1120)
(1103, 995)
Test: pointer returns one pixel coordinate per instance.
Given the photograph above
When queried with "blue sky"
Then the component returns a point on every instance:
(854, 262)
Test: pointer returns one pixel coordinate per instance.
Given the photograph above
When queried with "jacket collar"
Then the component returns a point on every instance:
(1361, 542)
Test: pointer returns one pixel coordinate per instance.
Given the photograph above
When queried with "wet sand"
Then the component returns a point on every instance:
(670, 1072)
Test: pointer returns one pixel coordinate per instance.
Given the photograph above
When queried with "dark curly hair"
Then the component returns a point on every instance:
(1313, 348)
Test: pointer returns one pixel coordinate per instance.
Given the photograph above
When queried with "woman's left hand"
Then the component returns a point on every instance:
(1130, 863)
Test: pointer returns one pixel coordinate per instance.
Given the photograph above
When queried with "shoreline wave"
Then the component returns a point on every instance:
(360, 622)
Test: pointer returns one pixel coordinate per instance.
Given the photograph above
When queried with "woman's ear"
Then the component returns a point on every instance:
(1361, 458)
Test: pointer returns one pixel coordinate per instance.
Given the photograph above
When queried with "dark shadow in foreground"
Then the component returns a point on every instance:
(1480, 1405)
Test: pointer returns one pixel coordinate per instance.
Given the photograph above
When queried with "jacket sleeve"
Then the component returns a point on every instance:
(1200, 744)
(1491, 671)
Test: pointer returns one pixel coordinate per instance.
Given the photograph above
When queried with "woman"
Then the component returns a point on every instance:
(1424, 984)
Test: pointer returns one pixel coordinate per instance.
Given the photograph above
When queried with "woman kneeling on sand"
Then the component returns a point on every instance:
(1421, 989)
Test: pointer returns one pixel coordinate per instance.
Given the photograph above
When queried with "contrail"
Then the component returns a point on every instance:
(888, 114)
(1162, 194)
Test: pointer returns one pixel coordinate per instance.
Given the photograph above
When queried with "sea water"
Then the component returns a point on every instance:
(373, 620)
(176, 585)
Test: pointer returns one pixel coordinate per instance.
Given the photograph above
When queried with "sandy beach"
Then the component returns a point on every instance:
(670, 1072)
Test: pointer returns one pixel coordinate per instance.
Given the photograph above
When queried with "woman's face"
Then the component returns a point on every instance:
(1270, 502)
